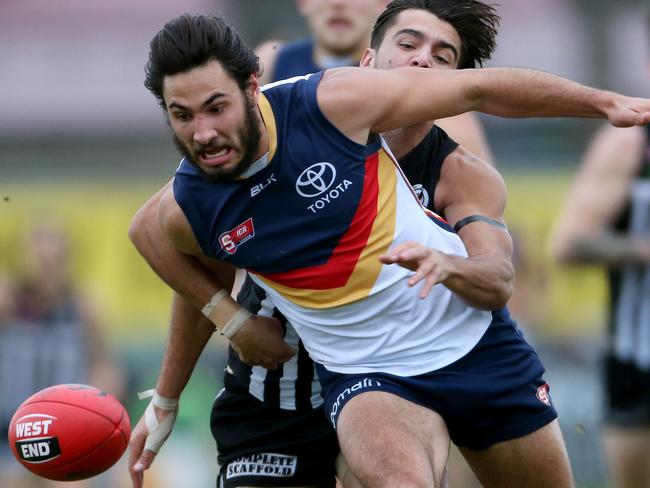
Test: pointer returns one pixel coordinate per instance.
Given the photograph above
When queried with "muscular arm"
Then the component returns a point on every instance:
(469, 186)
(361, 101)
(484, 279)
(583, 230)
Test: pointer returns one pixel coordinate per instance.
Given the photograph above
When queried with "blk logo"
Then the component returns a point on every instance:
(316, 180)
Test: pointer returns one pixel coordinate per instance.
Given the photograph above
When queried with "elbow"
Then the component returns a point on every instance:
(136, 231)
(497, 294)
(500, 295)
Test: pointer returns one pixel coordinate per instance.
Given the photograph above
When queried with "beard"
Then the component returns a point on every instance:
(249, 136)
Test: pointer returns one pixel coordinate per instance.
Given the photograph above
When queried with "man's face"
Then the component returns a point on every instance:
(341, 26)
(214, 122)
(418, 39)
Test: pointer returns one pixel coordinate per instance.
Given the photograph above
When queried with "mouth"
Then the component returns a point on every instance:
(215, 156)
(339, 23)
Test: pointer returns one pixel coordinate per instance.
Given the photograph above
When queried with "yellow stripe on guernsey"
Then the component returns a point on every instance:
(367, 269)
(269, 121)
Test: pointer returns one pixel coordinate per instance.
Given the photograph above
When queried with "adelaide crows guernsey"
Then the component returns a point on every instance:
(310, 226)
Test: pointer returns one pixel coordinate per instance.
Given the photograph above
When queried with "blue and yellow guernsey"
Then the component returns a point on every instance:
(310, 225)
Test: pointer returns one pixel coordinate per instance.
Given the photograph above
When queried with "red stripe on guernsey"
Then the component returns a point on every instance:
(340, 265)
(434, 215)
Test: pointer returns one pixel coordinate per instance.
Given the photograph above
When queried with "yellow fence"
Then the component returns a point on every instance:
(134, 301)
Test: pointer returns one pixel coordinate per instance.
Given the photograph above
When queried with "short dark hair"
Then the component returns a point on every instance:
(476, 23)
(190, 41)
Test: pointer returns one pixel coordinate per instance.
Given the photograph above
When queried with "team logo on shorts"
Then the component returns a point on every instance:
(263, 464)
(231, 239)
(542, 394)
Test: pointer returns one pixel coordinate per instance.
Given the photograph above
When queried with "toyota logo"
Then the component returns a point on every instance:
(316, 180)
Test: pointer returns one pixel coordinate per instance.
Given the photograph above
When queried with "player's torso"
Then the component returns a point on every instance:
(310, 227)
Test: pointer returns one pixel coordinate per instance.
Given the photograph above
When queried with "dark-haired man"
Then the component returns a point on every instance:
(346, 207)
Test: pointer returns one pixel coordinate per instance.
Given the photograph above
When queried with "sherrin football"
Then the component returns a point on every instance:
(69, 432)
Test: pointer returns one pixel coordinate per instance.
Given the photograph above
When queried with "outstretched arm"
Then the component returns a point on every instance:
(583, 232)
(361, 101)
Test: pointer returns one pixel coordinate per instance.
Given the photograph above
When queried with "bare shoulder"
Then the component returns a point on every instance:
(469, 171)
(620, 138)
(268, 54)
(175, 224)
(346, 95)
(468, 182)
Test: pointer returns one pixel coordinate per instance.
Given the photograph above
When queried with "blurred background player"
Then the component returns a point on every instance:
(49, 334)
(606, 221)
(340, 33)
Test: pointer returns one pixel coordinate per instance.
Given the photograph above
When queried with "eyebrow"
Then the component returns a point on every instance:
(207, 101)
(419, 35)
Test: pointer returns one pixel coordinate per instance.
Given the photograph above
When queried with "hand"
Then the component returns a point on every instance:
(628, 111)
(140, 459)
(429, 265)
(260, 343)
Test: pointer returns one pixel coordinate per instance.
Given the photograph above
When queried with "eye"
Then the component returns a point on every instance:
(182, 116)
(441, 60)
(217, 109)
(406, 45)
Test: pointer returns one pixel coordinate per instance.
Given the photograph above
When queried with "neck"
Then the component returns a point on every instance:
(402, 141)
(263, 146)
(350, 57)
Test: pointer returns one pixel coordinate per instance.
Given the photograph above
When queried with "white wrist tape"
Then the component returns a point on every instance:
(216, 298)
(217, 317)
(158, 431)
(235, 323)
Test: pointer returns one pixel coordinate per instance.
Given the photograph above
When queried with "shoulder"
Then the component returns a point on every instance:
(627, 138)
(465, 176)
(615, 149)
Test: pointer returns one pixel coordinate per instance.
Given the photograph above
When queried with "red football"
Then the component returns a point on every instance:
(69, 432)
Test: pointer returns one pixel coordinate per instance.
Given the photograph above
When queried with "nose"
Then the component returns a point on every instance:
(421, 59)
(204, 132)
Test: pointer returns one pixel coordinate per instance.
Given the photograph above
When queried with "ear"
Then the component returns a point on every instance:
(253, 88)
(368, 58)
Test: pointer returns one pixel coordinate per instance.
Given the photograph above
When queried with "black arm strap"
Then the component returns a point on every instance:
(478, 218)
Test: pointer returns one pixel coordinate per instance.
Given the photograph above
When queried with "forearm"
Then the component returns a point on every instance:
(189, 332)
(515, 92)
(484, 282)
(610, 249)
